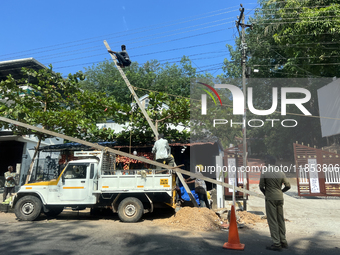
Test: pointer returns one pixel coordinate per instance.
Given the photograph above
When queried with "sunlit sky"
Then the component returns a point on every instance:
(69, 34)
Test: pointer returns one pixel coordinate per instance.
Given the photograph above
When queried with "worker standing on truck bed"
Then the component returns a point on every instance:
(162, 150)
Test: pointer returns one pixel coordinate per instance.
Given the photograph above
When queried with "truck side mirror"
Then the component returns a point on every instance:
(63, 178)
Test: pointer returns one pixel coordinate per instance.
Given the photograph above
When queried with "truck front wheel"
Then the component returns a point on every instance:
(28, 208)
(130, 209)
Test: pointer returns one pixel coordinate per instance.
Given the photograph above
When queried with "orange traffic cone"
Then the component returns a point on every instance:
(233, 239)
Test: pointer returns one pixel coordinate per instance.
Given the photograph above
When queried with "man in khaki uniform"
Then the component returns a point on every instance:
(271, 186)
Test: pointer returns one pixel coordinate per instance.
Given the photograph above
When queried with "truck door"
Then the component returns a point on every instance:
(93, 183)
(75, 182)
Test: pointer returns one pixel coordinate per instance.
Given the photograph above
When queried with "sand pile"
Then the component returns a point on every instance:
(193, 219)
(203, 219)
(249, 218)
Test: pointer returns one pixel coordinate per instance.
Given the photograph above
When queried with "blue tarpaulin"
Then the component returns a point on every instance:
(186, 197)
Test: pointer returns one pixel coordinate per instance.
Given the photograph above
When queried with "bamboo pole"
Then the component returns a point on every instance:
(121, 153)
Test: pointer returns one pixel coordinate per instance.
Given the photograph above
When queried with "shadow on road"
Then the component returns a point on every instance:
(105, 214)
(81, 233)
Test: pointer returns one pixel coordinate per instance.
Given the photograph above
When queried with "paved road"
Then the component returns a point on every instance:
(73, 233)
(308, 216)
(313, 228)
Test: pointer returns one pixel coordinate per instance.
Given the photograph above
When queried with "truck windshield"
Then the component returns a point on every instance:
(76, 171)
(45, 169)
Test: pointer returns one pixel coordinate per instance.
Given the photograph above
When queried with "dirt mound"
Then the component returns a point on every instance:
(193, 219)
(249, 218)
(203, 219)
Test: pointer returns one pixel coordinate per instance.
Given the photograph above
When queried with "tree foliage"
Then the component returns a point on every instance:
(165, 113)
(289, 39)
(45, 98)
(154, 76)
(165, 83)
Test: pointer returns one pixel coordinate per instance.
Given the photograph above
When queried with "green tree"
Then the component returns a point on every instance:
(176, 112)
(44, 98)
(151, 76)
(164, 83)
(310, 42)
(289, 39)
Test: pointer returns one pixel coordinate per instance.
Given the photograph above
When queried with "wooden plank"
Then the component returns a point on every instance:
(132, 91)
(181, 178)
(121, 153)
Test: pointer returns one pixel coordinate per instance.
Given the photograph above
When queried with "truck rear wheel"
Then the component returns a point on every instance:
(28, 208)
(130, 209)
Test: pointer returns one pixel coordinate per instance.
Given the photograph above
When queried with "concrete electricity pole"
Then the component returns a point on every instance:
(243, 49)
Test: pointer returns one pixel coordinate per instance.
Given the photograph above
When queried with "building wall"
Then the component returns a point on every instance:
(18, 151)
(28, 152)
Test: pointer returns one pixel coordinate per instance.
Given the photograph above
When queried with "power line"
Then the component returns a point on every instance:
(191, 59)
(118, 33)
(316, 34)
(314, 43)
(293, 8)
(135, 40)
(292, 74)
(252, 9)
(298, 35)
(98, 55)
(277, 23)
(209, 69)
(148, 45)
(301, 19)
(151, 53)
(163, 51)
(298, 45)
(320, 64)
(157, 52)
(297, 13)
(335, 56)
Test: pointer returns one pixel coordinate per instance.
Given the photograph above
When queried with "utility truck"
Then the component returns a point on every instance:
(92, 181)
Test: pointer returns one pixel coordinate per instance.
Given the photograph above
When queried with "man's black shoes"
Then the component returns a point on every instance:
(274, 247)
(284, 245)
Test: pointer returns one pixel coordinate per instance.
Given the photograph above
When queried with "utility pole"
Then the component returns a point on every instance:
(243, 49)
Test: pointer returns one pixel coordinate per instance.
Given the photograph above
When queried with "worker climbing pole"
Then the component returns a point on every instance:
(122, 60)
